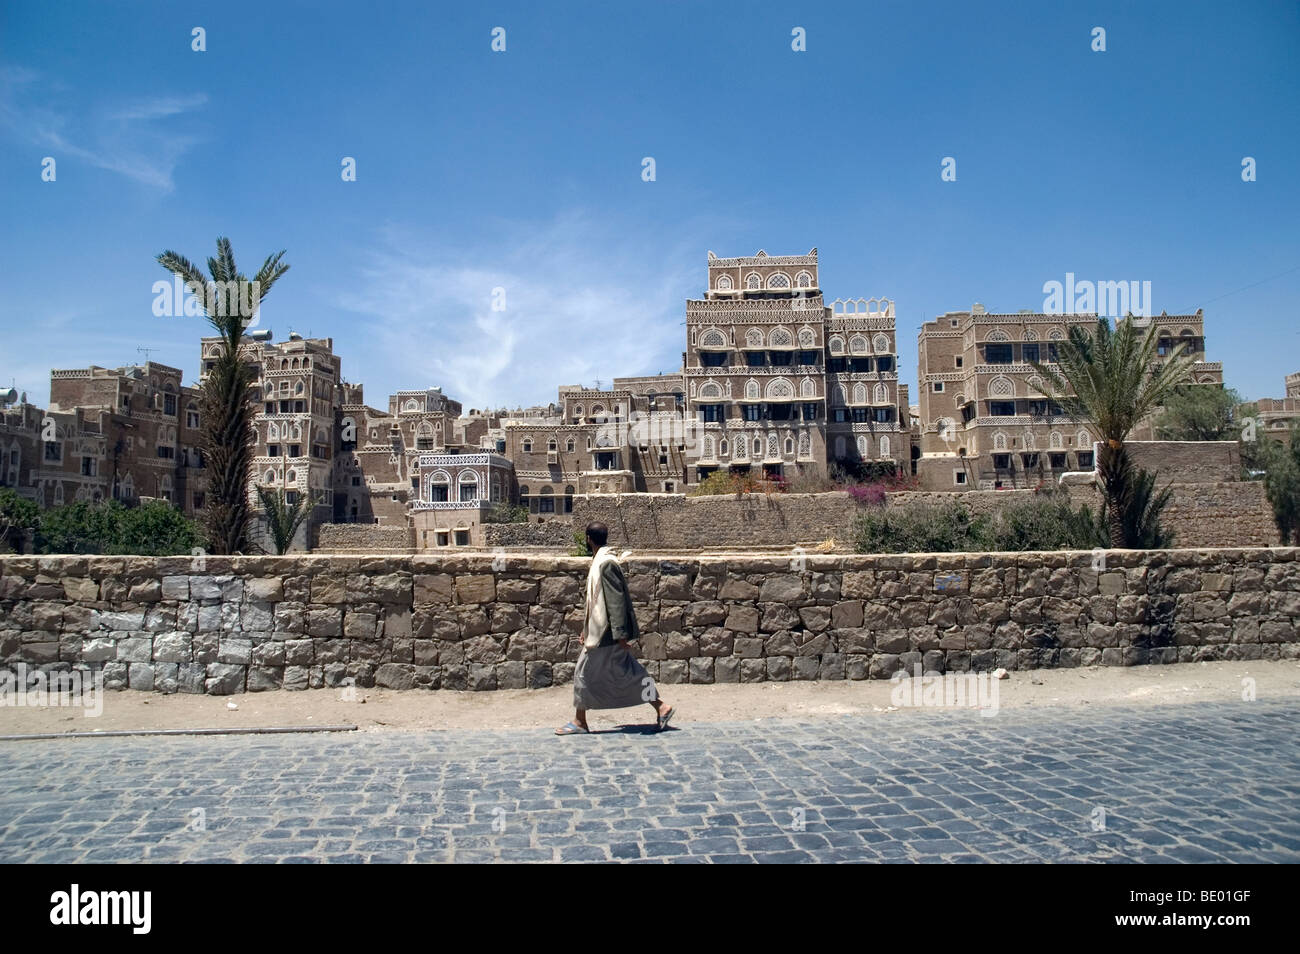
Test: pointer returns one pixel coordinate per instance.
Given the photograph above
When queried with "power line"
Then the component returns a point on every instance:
(1241, 289)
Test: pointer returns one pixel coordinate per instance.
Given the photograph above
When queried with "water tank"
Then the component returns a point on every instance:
(263, 334)
(9, 396)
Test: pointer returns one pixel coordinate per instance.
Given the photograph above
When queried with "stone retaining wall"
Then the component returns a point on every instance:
(555, 533)
(364, 536)
(454, 622)
(1230, 514)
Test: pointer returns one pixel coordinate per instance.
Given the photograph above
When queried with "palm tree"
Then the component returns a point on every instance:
(282, 517)
(1111, 379)
(229, 300)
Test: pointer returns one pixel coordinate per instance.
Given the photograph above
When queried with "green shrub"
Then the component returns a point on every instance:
(580, 547)
(152, 529)
(1046, 522)
(921, 528)
(501, 512)
(17, 516)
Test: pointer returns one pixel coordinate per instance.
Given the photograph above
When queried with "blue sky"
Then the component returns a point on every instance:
(522, 170)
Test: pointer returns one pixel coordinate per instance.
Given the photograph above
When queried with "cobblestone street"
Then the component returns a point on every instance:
(1175, 783)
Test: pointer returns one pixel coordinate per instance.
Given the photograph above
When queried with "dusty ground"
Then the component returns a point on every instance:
(380, 709)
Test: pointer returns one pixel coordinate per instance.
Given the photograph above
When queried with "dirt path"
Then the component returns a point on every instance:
(380, 709)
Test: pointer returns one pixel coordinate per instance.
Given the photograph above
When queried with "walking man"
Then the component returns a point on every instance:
(608, 676)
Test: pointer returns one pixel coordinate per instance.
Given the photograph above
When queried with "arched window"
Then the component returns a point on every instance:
(999, 441)
(804, 280)
(58, 493)
(773, 446)
(864, 447)
(780, 338)
(880, 343)
(267, 478)
(523, 497)
(780, 388)
(807, 388)
(778, 280)
(1056, 334)
(710, 389)
(292, 477)
(568, 498)
(577, 410)
(552, 445)
(272, 431)
(753, 390)
(297, 388)
(805, 444)
(740, 448)
(807, 338)
(569, 445)
(859, 393)
(753, 338)
(858, 344)
(758, 447)
(724, 283)
(841, 447)
(468, 485)
(722, 447)
(997, 334)
(1055, 441)
(884, 446)
(707, 452)
(1002, 386)
(526, 445)
(1084, 440)
(424, 437)
(753, 282)
(1030, 334)
(882, 394)
(789, 445)
(598, 412)
(713, 338)
(837, 344)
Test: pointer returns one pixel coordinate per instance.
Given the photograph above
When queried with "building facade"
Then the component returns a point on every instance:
(985, 422)
(765, 359)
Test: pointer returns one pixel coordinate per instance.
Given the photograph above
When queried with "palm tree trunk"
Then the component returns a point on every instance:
(1110, 470)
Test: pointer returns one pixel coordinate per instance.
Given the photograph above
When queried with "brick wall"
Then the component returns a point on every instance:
(254, 623)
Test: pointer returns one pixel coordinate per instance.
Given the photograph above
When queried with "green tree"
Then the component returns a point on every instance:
(1281, 466)
(152, 529)
(17, 515)
(80, 527)
(229, 301)
(1199, 412)
(1112, 380)
(283, 518)
(155, 528)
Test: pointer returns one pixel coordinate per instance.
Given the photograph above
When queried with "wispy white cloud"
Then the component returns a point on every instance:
(581, 303)
(124, 138)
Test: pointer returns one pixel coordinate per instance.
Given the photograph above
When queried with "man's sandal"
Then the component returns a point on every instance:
(571, 728)
(665, 717)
